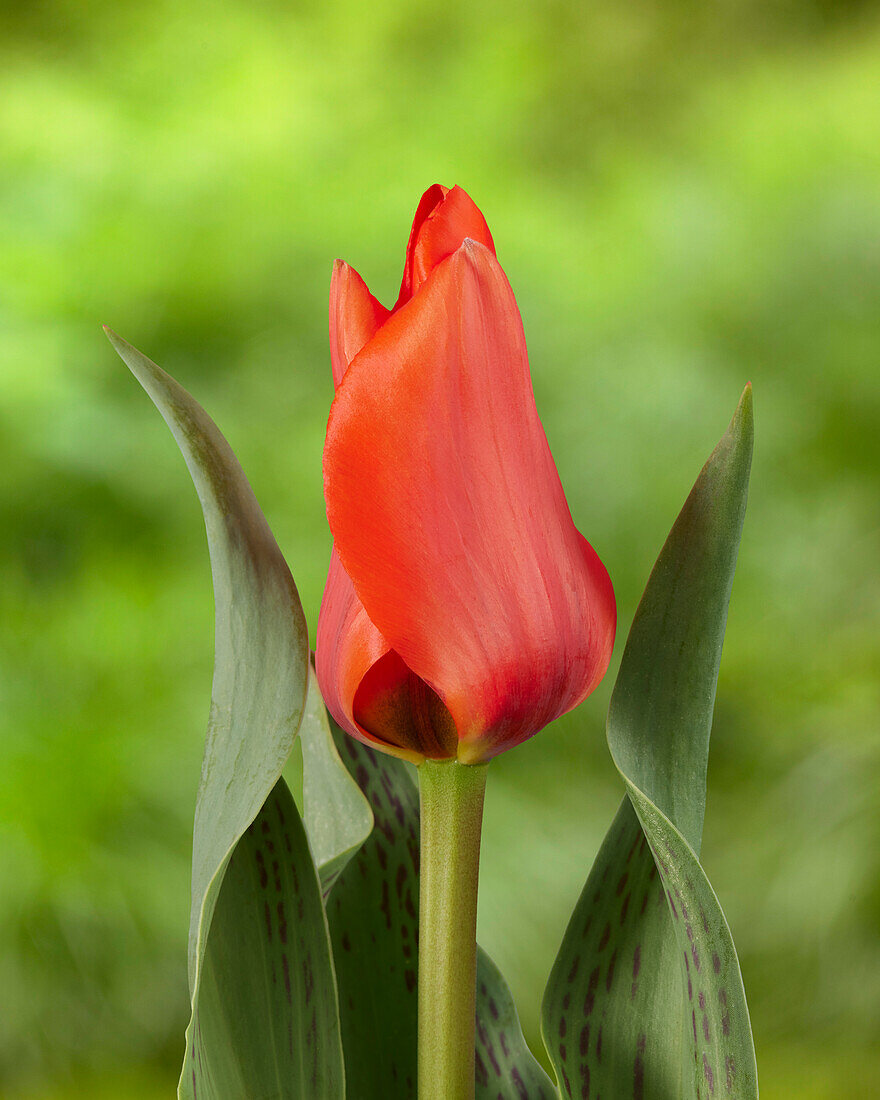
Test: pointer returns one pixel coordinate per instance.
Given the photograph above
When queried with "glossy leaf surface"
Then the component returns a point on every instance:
(646, 997)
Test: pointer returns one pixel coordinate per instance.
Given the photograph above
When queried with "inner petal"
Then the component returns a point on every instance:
(398, 707)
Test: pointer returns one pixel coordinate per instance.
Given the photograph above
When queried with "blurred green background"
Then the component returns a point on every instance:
(685, 197)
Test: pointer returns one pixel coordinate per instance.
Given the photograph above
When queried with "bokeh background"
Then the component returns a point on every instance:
(685, 197)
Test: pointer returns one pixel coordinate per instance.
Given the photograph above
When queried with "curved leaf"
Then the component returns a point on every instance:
(266, 1022)
(613, 1001)
(258, 696)
(646, 997)
(337, 815)
(505, 1068)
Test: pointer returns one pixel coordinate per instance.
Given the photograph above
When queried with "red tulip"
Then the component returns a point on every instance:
(463, 610)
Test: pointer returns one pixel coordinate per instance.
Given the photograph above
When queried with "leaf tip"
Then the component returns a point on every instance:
(742, 424)
(114, 338)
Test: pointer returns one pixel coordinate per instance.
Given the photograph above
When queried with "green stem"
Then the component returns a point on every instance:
(452, 814)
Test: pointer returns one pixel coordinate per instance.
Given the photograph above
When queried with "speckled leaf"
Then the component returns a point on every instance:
(646, 998)
(337, 815)
(504, 1066)
(266, 1022)
(372, 911)
(373, 915)
(261, 650)
(606, 1010)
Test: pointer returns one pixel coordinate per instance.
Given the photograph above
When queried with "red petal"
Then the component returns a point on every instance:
(443, 220)
(450, 519)
(355, 316)
(347, 647)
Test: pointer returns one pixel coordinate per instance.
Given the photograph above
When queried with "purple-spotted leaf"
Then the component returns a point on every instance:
(266, 1022)
(257, 700)
(646, 997)
(505, 1068)
(611, 1006)
(372, 910)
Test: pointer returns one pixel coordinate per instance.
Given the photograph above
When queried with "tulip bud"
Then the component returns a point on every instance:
(463, 610)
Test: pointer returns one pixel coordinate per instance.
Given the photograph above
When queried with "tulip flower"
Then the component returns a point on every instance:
(463, 610)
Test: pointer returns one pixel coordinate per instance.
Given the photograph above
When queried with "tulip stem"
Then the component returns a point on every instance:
(452, 816)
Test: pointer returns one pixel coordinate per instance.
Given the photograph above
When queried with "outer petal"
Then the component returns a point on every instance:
(444, 218)
(355, 316)
(450, 519)
(348, 645)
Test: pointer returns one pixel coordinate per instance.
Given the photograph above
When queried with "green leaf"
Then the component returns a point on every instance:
(646, 996)
(612, 1003)
(373, 914)
(258, 696)
(266, 1022)
(372, 911)
(337, 815)
(505, 1067)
